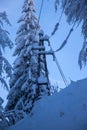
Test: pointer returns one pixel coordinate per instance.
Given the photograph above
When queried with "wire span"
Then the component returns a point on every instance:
(58, 23)
(40, 11)
(65, 41)
(59, 67)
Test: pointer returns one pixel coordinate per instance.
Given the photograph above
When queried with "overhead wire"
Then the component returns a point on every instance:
(56, 26)
(58, 23)
(71, 30)
(40, 10)
(65, 41)
(58, 66)
(55, 29)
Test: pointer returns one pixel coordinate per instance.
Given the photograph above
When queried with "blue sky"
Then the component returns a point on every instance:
(68, 56)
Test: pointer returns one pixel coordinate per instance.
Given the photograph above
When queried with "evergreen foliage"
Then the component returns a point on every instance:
(5, 67)
(24, 88)
(76, 12)
(3, 121)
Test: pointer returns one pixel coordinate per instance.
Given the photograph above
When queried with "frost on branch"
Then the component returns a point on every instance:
(3, 18)
(5, 67)
(83, 55)
(3, 122)
(76, 12)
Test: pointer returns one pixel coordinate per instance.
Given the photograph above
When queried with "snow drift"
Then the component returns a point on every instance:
(66, 110)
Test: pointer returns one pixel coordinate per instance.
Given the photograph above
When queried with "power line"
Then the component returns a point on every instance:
(63, 44)
(59, 67)
(58, 23)
(40, 10)
(65, 41)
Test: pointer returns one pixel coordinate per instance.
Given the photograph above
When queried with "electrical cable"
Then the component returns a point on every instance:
(65, 41)
(59, 67)
(58, 23)
(40, 11)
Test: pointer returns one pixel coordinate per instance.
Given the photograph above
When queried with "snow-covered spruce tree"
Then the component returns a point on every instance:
(24, 87)
(1, 108)
(1, 112)
(3, 121)
(5, 67)
(76, 11)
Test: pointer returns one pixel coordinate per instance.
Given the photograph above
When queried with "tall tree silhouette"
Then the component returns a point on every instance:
(30, 78)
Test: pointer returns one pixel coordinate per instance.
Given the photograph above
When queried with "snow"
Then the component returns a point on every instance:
(42, 80)
(66, 110)
(38, 47)
(50, 52)
(5, 67)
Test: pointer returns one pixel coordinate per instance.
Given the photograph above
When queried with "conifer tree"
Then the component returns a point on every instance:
(1, 102)
(3, 120)
(1, 113)
(24, 87)
(5, 67)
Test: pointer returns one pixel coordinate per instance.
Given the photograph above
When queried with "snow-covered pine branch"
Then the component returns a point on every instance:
(3, 18)
(76, 11)
(83, 55)
(5, 67)
(4, 84)
(4, 39)
(3, 122)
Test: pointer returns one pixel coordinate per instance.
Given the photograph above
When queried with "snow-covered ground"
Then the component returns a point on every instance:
(66, 110)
